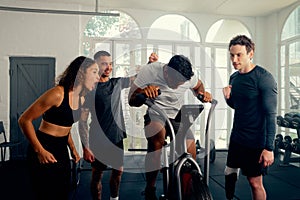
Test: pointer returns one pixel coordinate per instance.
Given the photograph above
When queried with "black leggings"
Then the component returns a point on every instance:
(51, 181)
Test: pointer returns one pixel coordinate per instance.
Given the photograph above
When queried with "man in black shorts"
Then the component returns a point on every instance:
(103, 141)
(252, 93)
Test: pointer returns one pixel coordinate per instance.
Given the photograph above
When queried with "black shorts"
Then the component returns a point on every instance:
(112, 158)
(175, 124)
(245, 158)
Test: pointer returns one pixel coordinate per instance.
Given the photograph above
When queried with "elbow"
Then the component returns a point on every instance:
(21, 121)
(24, 121)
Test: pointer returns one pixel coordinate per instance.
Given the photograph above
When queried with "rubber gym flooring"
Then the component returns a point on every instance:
(282, 182)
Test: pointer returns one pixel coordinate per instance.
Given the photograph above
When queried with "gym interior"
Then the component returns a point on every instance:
(40, 38)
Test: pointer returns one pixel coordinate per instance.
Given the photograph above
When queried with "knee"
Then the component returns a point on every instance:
(255, 182)
(97, 173)
(229, 171)
(191, 147)
(155, 143)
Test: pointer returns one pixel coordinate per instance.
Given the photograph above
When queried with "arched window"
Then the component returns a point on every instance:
(113, 33)
(224, 30)
(289, 72)
(173, 27)
(175, 34)
(112, 27)
(172, 34)
(122, 38)
(218, 69)
(292, 25)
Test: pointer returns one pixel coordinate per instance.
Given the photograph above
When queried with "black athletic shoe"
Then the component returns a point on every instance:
(150, 193)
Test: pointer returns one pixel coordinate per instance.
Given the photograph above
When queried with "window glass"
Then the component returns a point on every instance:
(292, 26)
(173, 27)
(217, 73)
(103, 46)
(224, 30)
(290, 67)
(221, 57)
(111, 26)
(282, 55)
(164, 53)
(294, 51)
(183, 50)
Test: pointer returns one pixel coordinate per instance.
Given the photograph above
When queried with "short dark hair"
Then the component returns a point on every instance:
(243, 41)
(182, 65)
(101, 53)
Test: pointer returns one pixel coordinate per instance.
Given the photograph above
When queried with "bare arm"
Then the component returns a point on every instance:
(73, 150)
(84, 135)
(199, 89)
(151, 91)
(52, 97)
(83, 127)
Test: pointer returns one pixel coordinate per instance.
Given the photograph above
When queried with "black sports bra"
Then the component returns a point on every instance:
(63, 115)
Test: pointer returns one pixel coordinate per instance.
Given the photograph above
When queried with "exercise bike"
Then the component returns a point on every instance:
(182, 176)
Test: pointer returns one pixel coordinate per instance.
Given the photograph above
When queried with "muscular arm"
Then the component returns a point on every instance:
(88, 155)
(268, 89)
(151, 91)
(83, 127)
(73, 150)
(199, 89)
(52, 97)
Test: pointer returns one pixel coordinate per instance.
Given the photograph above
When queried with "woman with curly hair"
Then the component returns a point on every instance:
(60, 107)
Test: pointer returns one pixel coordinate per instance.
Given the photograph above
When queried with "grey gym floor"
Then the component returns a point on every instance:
(282, 182)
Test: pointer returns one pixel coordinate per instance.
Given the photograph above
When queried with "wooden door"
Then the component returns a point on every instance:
(29, 78)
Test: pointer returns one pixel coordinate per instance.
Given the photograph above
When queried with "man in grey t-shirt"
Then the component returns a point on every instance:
(173, 80)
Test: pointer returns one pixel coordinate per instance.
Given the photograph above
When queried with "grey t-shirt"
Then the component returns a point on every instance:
(170, 100)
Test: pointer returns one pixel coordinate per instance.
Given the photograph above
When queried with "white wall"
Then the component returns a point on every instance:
(39, 35)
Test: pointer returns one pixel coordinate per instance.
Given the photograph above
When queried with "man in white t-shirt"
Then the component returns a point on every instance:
(173, 80)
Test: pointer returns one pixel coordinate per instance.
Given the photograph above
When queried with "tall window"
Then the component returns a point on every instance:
(217, 40)
(175, 34)
(121, 37)
(289, 73)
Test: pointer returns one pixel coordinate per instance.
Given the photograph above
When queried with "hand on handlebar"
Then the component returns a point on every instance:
(204, 97)
(151, 91)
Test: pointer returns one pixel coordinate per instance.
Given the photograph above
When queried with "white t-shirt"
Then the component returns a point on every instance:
(170, 100)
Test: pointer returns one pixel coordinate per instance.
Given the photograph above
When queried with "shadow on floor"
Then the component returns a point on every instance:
(282, 183)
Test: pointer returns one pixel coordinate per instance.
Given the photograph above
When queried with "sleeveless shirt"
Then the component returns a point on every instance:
(63, 115)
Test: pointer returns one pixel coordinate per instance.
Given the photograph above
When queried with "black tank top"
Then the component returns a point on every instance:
(63, 115)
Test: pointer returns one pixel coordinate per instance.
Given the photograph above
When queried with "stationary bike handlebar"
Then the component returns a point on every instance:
(201, 97)
(149, 102)
(187, 115)
(213, 102)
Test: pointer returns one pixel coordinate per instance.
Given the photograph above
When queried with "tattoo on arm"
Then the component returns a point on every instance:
(83, 128)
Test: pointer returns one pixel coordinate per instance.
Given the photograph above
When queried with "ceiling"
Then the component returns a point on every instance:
(219, 7)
